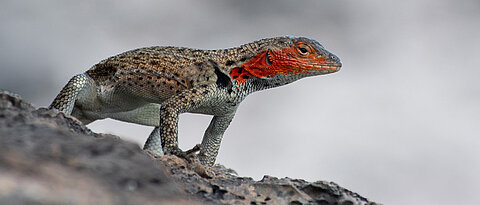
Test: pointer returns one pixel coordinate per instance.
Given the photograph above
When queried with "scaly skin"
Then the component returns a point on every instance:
(152, 86)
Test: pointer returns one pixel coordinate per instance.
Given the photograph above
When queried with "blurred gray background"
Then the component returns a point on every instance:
(399, 124)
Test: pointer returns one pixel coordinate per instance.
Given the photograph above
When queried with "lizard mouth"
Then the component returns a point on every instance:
(326, 68)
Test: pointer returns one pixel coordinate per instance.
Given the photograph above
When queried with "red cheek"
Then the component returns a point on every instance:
(258, 66)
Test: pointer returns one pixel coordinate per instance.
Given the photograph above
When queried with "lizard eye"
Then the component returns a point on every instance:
(303, 50)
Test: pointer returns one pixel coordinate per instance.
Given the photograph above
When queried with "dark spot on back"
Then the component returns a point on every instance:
(102, 72)
(199, 65)
(243, 58)
(229, 63)
(223, 81)
(180, 50)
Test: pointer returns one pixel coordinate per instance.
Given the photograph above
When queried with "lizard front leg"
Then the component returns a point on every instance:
(213, 138)
(170, 110)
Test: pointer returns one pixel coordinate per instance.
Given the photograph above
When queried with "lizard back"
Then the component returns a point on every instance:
(157, 71)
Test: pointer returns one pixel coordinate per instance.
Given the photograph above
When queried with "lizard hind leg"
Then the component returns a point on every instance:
(79, 86)
(154, 143)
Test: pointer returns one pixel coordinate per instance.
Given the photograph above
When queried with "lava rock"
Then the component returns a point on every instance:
(49, 158)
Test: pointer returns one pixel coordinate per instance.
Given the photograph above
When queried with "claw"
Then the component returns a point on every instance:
(189, 155)
(196, 148)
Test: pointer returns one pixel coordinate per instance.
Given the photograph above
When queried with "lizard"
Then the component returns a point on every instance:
(153, 85)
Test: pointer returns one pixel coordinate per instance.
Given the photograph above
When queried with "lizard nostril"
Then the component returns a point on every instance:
(335, 59)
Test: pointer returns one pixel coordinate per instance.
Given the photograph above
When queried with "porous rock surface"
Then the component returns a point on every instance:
(49, 158)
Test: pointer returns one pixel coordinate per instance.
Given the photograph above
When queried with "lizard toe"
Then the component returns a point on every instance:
(189, 155)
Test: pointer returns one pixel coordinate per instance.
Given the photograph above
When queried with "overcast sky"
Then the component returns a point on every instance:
(399, 124)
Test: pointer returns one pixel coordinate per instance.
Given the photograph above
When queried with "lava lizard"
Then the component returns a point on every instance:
(152, 86)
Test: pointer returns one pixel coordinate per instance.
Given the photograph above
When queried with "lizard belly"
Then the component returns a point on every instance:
(120, 104)
(149, 115)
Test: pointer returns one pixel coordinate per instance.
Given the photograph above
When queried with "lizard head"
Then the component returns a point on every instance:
(287, 59)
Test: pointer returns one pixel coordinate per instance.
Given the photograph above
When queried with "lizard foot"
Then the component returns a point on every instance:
(189, 155)
(192, 161)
